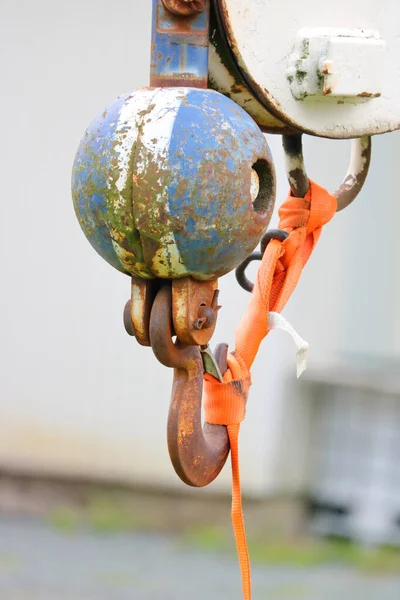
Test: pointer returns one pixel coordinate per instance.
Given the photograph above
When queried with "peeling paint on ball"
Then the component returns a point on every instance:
(170, 182)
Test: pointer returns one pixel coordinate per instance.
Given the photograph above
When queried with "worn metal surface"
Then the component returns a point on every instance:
(241, 277)
(190, 302)
(197, 454)
(138, 308)
(342, 63)
(226, 77)
(262, 37)
(179, 48)
(353, 181)
(294, 163)
(162, 184)
(185, 7)
(357, 172)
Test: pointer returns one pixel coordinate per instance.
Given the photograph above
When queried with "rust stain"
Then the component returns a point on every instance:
(261, 94)
(198, 454)
(180, 30)
(185, 8)
(369, 95)
(188, 299)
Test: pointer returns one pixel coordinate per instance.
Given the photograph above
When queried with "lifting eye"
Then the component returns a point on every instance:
(262, 186)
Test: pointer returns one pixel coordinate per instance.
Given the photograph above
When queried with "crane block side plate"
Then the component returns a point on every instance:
(331, 70)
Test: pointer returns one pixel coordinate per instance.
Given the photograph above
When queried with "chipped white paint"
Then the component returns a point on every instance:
(263, 36)
(353, 180)
(293, 163)
(222, 81)
(127, 131)
(155, 137)
(162, 108)
(148, 116)
(127, 259)
(338, 62)
(359, 158)
(352, 67)
(168, 258)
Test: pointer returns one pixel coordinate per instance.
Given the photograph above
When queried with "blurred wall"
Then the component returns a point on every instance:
(77, 395)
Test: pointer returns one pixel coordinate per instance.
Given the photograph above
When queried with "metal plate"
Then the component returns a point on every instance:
(328, 70)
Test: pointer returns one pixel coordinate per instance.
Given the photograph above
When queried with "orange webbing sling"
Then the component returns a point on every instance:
(277, 277)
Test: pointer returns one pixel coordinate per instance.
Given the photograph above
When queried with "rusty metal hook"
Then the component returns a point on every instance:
(241, 277)
(355, 177)
(198, 453)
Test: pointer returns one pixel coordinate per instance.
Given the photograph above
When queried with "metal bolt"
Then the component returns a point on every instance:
(185, 8)
(207, 315)
(205, 319)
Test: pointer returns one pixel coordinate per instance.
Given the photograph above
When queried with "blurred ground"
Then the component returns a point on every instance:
(38, 562)
(64, 540)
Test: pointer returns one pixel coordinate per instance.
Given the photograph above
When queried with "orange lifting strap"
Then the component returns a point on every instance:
(277, 277)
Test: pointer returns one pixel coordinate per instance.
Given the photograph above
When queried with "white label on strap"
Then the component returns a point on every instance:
(277, 321)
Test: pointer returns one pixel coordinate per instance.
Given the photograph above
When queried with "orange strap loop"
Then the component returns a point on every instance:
(277, 277)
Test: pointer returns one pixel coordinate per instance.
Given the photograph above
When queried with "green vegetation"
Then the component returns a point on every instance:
(302, 552)
(211, 539)
(108, 512)
(65, 519)
(112, 511)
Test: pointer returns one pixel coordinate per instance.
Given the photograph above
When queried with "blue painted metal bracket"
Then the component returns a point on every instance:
(179, 49)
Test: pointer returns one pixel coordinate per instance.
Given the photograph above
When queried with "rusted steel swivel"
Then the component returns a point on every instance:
(197, 453)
